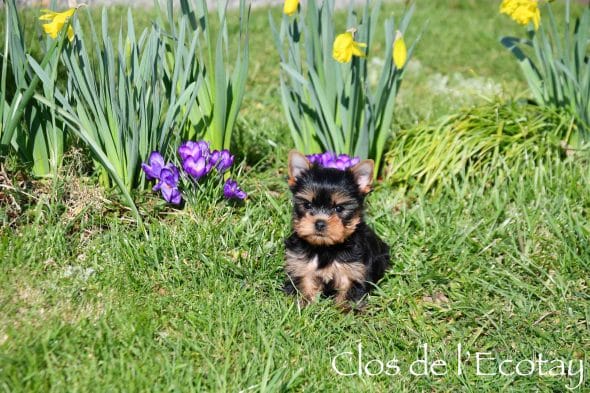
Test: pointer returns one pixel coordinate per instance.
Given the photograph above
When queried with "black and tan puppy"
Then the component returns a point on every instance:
(331, 252)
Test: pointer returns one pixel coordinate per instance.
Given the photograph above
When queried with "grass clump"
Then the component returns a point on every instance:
(488, 137)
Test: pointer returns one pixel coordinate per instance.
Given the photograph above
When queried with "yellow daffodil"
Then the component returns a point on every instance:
(290, 7)
(345, 47)
(522, 11)
(400, 52)
(56, 22)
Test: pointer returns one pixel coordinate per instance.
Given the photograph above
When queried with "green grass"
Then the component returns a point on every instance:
(499, 136)
(495, 263)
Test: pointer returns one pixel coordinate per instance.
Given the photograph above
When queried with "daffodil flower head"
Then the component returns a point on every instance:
(290, 7)
(345, 47)
(400, 52)
(522, 11)
(56, 22)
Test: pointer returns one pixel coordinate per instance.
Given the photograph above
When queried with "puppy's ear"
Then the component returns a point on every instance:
(298, 164)
(363, 174)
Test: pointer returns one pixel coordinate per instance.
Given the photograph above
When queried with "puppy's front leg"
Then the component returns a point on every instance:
(351, 299)
(310, 288)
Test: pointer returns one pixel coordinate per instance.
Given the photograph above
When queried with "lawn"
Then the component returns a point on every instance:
(493, 266)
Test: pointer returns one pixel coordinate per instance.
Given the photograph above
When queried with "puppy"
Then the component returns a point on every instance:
(331, 252)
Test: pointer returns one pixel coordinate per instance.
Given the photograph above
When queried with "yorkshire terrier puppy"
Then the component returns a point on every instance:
(332, 252)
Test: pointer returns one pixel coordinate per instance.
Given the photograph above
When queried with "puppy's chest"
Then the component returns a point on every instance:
(324, 270)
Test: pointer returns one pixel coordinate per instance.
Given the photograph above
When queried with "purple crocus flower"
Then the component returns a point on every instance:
(340, 164)
(214, 157)
(168, 184)
(232, 190)
(197, 168)
(331, 160)
(353, 161)
(189, 149)
(167, 176)
(154, 166)
(212, 161)
(226, 160)
(193, 149)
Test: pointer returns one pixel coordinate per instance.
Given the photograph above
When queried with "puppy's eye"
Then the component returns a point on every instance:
(307, 205)
(339, 209)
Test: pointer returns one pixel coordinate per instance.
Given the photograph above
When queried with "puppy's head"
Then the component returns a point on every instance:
(327, 202)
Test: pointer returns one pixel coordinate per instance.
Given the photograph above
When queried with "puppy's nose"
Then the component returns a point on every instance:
(320, 225)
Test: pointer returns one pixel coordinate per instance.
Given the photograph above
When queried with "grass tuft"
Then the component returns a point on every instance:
(493, 137)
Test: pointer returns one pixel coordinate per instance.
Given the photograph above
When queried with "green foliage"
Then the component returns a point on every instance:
(120, 100)
(38, 138)
(221, 85)
(332, 106)
(483, 139)
(119, 105)
(558, 70)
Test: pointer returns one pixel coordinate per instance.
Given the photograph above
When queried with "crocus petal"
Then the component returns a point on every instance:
(400, 52)
(168, 177)
(170, 174)
(171, 193)
(341, 164)
(226, 160)
(195, 167)
(189, 149)
(154, 166)
(232, 190)
(204, 146)
(332, 160)
(149, 173)
(176, 197)
(313, 158)
(214, 157)
(156, 158)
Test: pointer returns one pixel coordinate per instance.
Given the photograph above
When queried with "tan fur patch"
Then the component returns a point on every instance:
(312, 280)
(344, 276)
(335, 229)
(298, 266)
(339, 198)
(306, 194)
(351, 226)
(336, 232)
